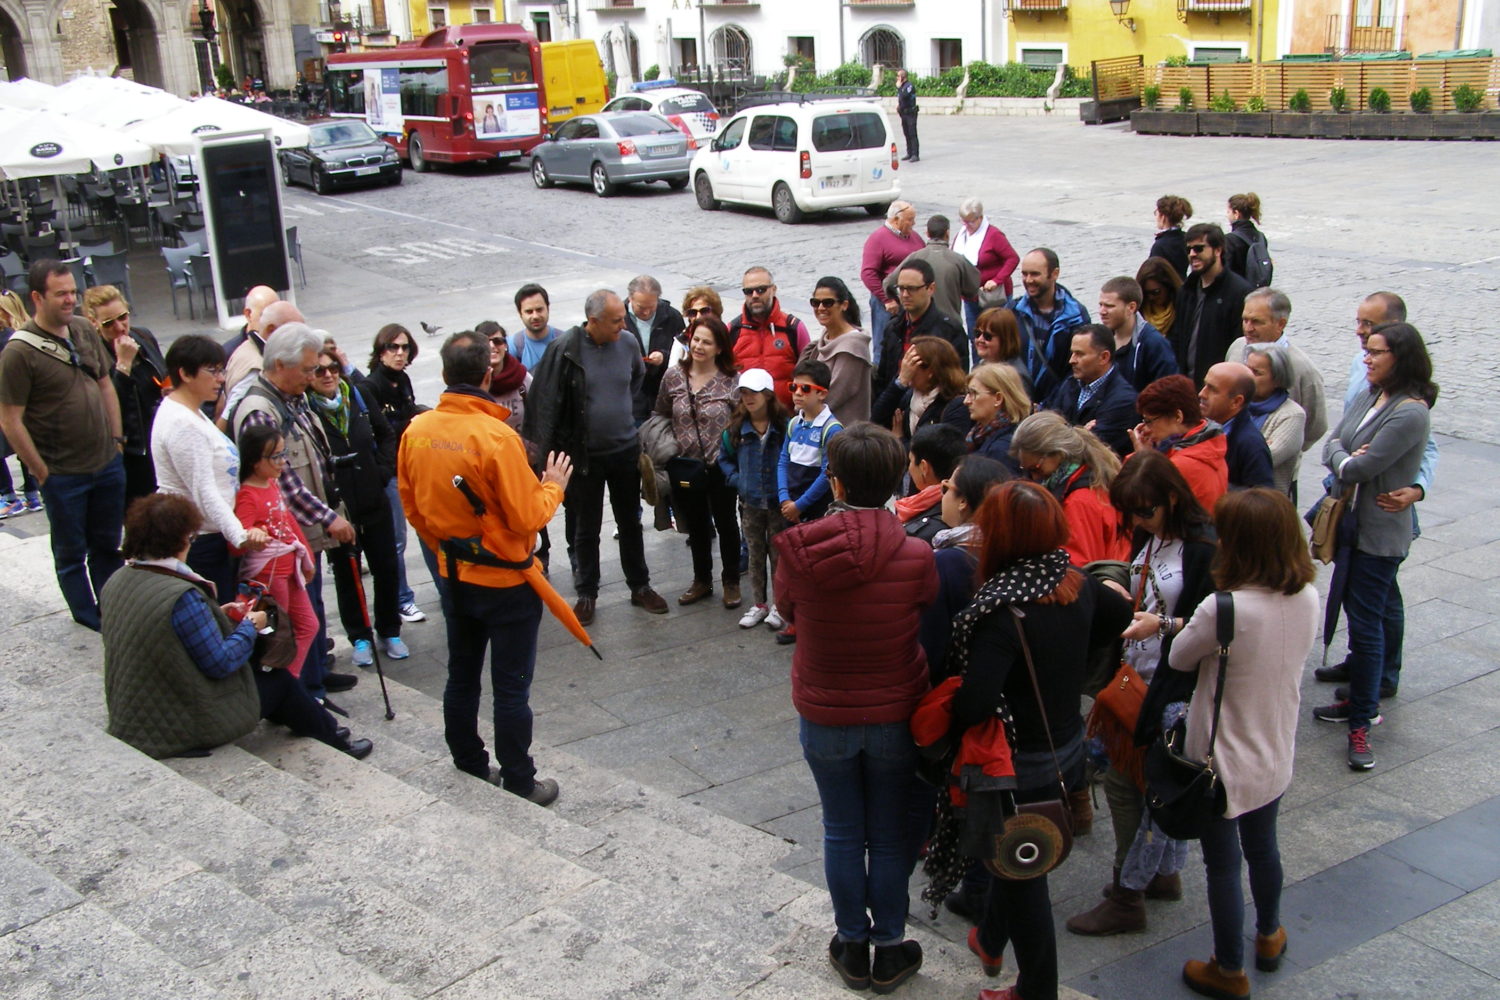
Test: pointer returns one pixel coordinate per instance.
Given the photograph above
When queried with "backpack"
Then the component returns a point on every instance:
(1258, 266)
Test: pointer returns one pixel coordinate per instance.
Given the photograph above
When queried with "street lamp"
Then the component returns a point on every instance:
(1120, 8)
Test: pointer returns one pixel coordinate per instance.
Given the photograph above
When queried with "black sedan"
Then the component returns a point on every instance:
(340, 153)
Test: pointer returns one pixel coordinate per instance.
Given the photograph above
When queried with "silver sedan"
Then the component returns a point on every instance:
(609, 149)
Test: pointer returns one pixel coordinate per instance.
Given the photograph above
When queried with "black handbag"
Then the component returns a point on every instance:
(1185, 795)
(690, 475)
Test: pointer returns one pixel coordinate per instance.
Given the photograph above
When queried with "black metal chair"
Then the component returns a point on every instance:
(111, 269)
(13, 272)
(35, 248)
(186, 235)
(201, 278)
(136, 215)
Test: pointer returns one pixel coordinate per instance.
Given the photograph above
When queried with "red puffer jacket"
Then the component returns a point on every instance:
(855, 585)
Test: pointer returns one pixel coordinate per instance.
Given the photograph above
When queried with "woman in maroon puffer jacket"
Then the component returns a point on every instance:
(855, 585)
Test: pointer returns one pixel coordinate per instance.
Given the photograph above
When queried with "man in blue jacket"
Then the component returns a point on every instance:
(1048, 314)
(1227, 390)
(1096, 396)
(1142, 354)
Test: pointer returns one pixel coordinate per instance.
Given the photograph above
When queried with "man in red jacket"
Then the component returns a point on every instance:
(764, 336)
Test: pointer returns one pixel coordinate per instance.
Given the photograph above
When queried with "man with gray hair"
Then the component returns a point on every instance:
(581, 404)
(885, 249)
(656, 324)
(276, 397)
(1263, 321)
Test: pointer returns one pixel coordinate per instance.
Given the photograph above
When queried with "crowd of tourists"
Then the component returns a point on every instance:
(978, 503)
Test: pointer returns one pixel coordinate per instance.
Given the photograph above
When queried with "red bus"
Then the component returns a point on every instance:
(464, 93)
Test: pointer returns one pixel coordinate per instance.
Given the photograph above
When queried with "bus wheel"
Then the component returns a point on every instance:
(414, 153)
(603, 186)
(703, 189)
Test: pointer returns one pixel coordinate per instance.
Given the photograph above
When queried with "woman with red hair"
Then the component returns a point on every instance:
(1172, 422)
(1032, 599)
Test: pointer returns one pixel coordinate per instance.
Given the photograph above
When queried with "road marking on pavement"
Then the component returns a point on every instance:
(293, 209)
(425, 252)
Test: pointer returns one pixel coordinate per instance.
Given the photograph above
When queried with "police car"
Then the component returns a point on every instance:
(689, 110)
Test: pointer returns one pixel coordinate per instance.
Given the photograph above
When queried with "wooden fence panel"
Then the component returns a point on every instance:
(1278, 82)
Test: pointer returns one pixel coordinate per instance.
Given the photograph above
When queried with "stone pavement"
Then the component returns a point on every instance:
(683, 858)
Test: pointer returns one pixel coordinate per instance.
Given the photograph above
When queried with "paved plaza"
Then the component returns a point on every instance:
(684, 856)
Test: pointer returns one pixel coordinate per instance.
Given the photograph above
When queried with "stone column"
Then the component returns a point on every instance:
(281, 58)
(43, 55)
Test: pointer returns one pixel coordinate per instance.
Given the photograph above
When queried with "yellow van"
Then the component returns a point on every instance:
(575, 79)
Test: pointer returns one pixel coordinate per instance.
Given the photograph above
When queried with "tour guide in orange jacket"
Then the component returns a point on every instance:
(484, 535)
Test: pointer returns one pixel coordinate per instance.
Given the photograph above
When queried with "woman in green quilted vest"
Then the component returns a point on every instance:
(178, 679)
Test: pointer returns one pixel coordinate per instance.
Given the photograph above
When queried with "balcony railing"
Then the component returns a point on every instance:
(1036, 8)
(1364, 33)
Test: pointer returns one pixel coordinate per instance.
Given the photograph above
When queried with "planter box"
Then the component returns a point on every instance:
(1332, 125)
(1164, 122)
(1234, 123)
(1116, 109)
(1466, 125)
(1293, 124)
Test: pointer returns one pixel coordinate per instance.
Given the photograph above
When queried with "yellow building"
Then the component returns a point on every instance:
(1079, 31)
(429, 16)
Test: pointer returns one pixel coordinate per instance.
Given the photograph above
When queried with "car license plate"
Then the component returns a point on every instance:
(366, 171)
(656, 151)
(837, 181)
(506, 154)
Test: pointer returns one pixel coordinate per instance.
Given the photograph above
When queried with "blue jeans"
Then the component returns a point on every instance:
(315, 667)
(865, 776)
(1254, 834)
(878, 320)
(86, 512)
(1377, 625)
(404, 596)
(505, 619)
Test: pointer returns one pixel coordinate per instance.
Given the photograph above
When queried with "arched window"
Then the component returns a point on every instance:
(883, 46)
(730, 47)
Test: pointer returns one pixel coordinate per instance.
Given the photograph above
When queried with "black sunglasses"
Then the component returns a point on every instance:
(823, 303)
(749, 290)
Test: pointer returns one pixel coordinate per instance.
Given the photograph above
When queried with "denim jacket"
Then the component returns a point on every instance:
(749, 463)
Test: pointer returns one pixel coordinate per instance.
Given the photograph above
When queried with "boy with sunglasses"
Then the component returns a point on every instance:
(802, 471)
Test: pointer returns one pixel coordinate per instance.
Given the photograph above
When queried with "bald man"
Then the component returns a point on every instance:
(245, 363)
(256, 300)
(1225, 397)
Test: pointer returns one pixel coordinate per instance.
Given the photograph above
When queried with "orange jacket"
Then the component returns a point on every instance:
(1200, 457)
(467, 436)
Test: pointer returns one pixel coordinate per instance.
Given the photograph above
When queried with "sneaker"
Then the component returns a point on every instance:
(1339, 712)
(774, 621)
(412, 613)
(12, 507)
(364, 653)
(1387, 692)
(1361, 757)
(395, 648)
(543, 792)
(754, 615)
(33, 504)
(786, 636)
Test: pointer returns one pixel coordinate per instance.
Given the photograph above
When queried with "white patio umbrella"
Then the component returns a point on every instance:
(25, 93)
(174, 133)
(111, 102)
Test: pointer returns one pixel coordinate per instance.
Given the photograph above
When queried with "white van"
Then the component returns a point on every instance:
(800, 157)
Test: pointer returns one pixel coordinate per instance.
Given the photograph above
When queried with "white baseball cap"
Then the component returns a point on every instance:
(757, 380)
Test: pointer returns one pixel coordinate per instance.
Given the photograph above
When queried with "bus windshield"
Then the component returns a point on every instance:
(500, 64)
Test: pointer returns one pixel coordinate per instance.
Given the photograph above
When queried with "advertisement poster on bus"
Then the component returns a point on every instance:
(383, 100)
(507, 116)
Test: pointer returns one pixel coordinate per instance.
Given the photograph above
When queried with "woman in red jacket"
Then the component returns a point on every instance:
(1077, 468)
(855, 585)
(1172, 423)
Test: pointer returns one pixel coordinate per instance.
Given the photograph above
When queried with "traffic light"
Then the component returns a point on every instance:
(340, 41)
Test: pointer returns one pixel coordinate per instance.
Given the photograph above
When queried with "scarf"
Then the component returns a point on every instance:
(966, 535)
(978, 435)
(1057, 484)
(970, 244)
(1160, 318)
(1261, 409)
(336, 408)
(512, 376)
(918, 503)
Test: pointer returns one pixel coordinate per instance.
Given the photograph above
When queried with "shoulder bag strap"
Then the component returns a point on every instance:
(1225, 634)
(1019, 616)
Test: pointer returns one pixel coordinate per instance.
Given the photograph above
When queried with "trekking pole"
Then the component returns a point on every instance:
(364, 612)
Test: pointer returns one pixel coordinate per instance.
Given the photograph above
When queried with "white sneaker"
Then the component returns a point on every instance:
(412, 613)
(774, 620)
(754, 615)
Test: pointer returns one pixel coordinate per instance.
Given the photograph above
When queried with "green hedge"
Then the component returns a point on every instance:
(985, 80)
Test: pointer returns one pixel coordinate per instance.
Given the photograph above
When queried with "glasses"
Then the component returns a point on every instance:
(328, 369)
(403, 346)
(277, 456)
(1197, 247)
(822, 303)
(972, 393)
(1148, 421)
(1144, 513)
(497, 342)
(124, 317)
(1371, 352)
(800, 387)
(692, 313)
(750, 290)
(946, 487)
(217, 371)
(909, 289)
(983, 335)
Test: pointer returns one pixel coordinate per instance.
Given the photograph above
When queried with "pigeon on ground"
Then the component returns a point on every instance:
(432, 331)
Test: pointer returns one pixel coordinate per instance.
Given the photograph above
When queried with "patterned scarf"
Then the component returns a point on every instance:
(335, 408)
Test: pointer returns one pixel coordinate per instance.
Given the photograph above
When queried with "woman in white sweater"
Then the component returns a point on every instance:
(194, 459)
(1276, 414)
(1263, 562)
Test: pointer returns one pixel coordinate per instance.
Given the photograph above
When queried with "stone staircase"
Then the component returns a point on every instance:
(279, 868)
